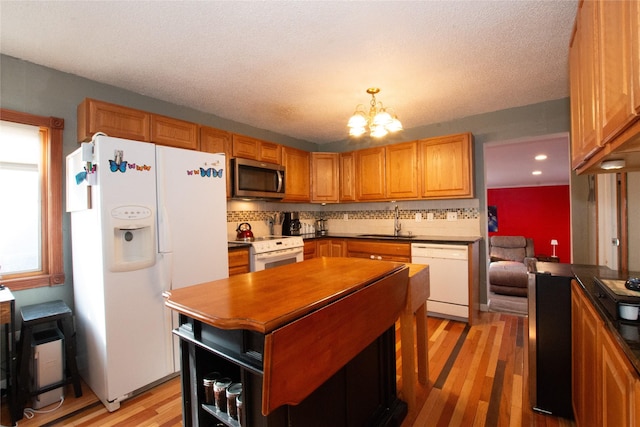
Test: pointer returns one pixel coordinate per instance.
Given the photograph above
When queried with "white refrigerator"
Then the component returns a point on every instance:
(144, 219)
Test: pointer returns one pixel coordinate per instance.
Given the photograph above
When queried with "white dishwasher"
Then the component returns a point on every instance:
(448, 278)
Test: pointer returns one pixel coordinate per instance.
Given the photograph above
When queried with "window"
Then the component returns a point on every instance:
(30, 200)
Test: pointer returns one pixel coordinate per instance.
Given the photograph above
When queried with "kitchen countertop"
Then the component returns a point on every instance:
(401, 238)
(626, 332)
(238, 245)
(456, 240)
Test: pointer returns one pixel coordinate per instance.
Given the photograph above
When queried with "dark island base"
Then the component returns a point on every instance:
(362, 393)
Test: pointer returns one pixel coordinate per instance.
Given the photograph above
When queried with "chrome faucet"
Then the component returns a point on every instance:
(396, 222)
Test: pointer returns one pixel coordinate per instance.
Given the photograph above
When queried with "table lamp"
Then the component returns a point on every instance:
(554, 243)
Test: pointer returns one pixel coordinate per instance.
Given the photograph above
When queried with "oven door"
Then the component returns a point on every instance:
(273, 259)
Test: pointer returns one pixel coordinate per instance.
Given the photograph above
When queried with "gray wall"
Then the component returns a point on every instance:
(39, 90)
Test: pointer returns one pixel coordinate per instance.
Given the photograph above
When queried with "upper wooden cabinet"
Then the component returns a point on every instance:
(114, 120)
(325, 177)
(615, 67)
(123, 122)
(297, 176)
(434, 168)
(603, 72)
(401, 168)
(347, 177)
(446, 165)
(214, 140)
(174, 132)
(584, 75)
(256, 149)
(635, 54)
(370, 174)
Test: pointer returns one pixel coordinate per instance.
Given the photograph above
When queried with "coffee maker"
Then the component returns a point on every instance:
(291, 224)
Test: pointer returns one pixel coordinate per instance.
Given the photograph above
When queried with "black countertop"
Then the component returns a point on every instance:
(402, 238)
(454, 240)
(626, 332)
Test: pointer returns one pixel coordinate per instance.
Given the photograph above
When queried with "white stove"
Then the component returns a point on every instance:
(274, 251)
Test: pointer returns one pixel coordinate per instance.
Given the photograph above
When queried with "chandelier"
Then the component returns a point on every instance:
(377, 119)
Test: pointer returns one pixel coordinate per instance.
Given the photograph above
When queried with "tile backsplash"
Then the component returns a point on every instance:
(418, 218)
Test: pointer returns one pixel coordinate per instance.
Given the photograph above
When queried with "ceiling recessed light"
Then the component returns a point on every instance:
(536, 173)
(612, 164)
(541, 157)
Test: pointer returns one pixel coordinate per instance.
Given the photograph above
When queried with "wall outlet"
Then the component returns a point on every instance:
(452, 216)
(418, 216)
(429, 216)
(345, 217)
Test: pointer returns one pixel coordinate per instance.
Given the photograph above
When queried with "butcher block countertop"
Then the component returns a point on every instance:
(315, 315)
(266, 300)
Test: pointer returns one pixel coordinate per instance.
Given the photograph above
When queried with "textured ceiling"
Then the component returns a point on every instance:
(300, 68)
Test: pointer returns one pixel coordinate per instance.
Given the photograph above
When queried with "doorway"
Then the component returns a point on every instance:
(512, 171)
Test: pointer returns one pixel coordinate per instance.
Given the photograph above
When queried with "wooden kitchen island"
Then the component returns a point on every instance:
(312, 343)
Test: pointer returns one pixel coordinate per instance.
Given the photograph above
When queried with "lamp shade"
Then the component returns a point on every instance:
(554, 242)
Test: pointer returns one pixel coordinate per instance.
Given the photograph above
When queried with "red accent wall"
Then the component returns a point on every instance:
(541, 213)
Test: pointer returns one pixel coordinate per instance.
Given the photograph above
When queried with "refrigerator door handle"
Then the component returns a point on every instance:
(165, 265)
(165, 242)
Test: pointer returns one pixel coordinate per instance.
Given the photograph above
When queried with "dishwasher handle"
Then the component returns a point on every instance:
(430, 250)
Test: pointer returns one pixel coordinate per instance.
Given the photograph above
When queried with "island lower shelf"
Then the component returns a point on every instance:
(333, 365)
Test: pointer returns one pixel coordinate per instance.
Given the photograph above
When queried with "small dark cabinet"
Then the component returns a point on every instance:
(362, 393)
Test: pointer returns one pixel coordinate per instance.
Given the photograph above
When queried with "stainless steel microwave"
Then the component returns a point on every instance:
(257, 180)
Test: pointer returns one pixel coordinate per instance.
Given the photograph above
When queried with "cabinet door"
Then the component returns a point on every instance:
(347, 177)
(586, 30)
(616, 384)
(585, 325)
(615, 68)
(401, 163)
(325, 177)
(296, 163)
(270, 152)
(635, 55)
(238, 261)
(309, 251)
(575, 88)
(174, 132)
(247, 147)
(370, 174)
(400, 252)
(332, 247)
(114, 120)
(214, 140)
(447, 166)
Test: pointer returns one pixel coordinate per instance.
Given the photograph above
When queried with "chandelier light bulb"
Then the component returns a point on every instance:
(378, 121)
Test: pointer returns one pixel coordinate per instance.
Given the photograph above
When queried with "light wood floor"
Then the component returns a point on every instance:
(477, 377)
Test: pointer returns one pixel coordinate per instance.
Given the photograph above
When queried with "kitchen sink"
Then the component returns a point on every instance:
(387, 236)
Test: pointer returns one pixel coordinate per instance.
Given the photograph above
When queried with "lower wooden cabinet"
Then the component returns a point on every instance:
(374, 249)
(605, 385)
(332, 247)
(238, 261)
(584, 326)
(309, 250)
